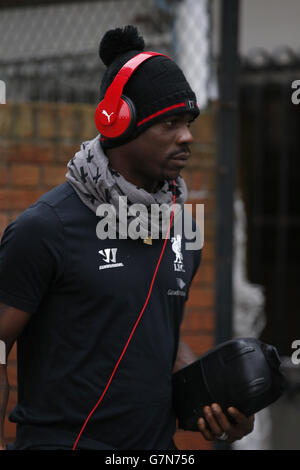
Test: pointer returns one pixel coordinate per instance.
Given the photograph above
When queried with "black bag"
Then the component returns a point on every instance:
(244, 373)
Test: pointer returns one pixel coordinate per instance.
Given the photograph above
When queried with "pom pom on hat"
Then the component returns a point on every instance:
(118, 41)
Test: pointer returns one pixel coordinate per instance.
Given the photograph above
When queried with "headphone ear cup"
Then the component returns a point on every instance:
(122, 125)
(131, 123)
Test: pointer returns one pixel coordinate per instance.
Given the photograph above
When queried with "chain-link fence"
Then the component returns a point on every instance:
(49, 52)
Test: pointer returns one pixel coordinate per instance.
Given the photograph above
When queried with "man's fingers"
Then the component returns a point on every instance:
(216, 423)
(243, 426)
(213, 422)
(238, 416)
(205, 431)
(221, 418)
(243, 421)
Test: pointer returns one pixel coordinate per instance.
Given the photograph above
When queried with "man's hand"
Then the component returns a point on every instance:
(219, 424)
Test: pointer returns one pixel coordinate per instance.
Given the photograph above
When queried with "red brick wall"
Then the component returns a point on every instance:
(198, 325)
(38, 139)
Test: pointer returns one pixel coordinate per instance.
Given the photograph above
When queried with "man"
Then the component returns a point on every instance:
(72, 297)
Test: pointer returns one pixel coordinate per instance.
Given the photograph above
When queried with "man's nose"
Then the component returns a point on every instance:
(185, 136)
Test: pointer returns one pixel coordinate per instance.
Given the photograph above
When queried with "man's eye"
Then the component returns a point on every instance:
(170, 122)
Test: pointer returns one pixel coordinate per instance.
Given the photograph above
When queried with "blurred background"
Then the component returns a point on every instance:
(241, 58)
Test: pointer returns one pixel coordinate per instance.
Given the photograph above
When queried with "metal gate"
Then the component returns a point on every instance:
(269, 172)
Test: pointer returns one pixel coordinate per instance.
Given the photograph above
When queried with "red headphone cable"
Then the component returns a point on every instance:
(133, 330)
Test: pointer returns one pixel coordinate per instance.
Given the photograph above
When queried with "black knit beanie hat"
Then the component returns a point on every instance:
(156, 87)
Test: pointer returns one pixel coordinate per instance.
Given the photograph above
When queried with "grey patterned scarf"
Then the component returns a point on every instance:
(96, 183)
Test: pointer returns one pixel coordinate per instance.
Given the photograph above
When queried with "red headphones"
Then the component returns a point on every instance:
(115, 115)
